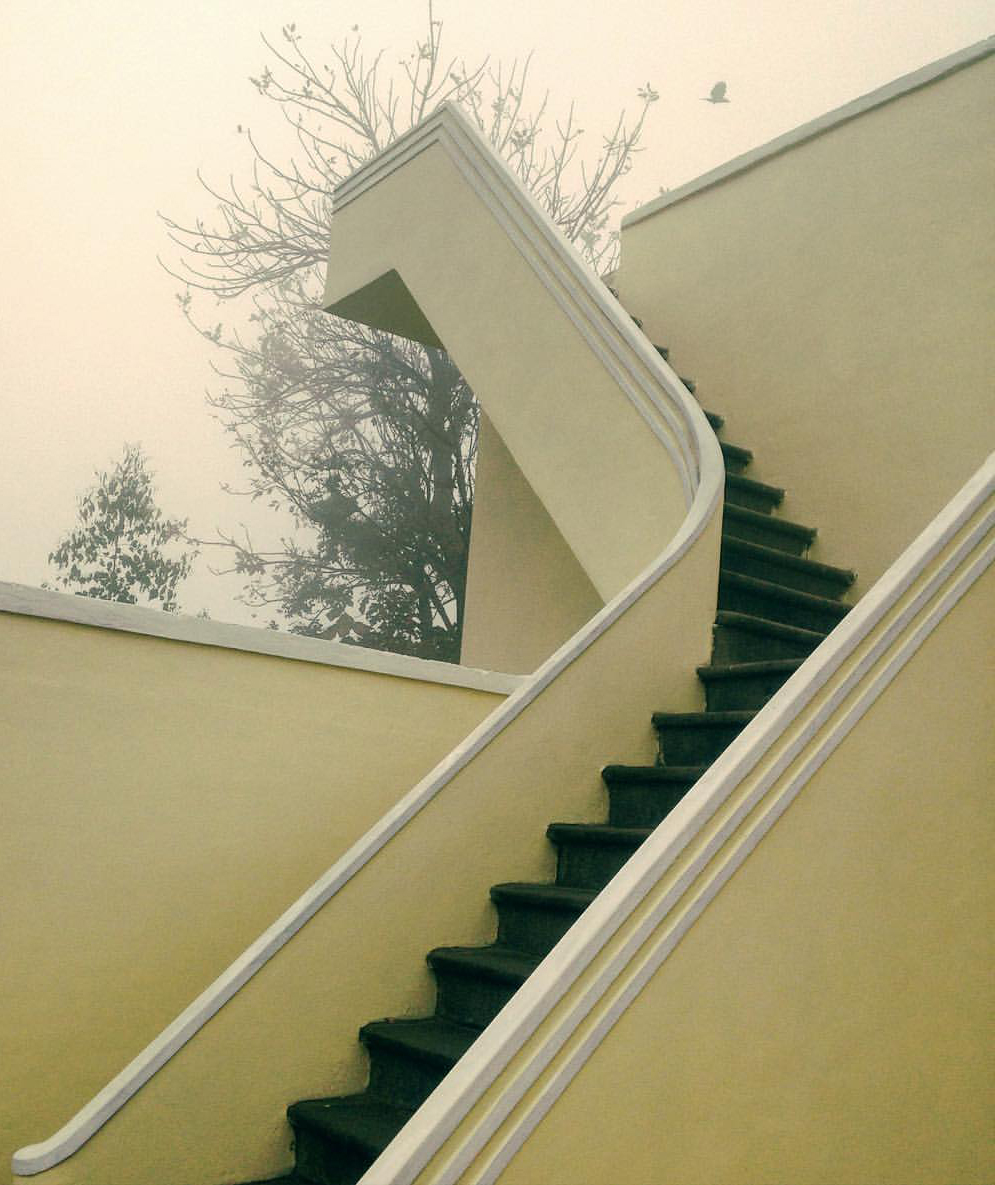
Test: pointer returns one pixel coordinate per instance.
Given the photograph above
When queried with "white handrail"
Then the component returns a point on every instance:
(644, 377)
(440, 1114)
(651, 385)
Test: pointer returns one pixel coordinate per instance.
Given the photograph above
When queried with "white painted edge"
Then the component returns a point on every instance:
(442, 1112)
(651, 385)
(708, 479)
(816, 127)
(27, 601)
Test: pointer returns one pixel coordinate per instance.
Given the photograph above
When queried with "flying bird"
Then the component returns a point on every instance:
(718, 94)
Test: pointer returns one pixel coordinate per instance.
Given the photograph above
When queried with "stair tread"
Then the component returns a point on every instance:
(783, 525)
(738, 670)
(738, 481)
(431, 1038)
(501, 963)
(843, 576)
(736, 452)
(558, 897)
(651, 774)
(598, 833)
(360, 1120)
(763, 625)
(782, 592)
(703, 719)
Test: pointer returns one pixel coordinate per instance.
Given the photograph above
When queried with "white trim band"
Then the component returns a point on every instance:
(176, 627)
(808, 131)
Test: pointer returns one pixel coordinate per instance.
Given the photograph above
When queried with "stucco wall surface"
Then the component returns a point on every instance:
(827, 1018)
(525, 593)
(162, 804)
(290, 1033)
(835, 304)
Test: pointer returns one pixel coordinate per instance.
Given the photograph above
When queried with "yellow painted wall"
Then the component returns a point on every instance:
(161, 805)
(526, 593)
(835, 304)
(827, 1019)
(291, 1032)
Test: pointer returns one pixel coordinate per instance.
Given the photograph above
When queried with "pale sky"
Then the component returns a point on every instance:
(111, 106)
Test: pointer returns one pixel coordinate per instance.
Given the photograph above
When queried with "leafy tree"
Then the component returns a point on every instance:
(368, 440)
(115, 552)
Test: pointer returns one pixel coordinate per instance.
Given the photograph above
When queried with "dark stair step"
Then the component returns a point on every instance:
(769, 563)
(741, 637)
(589, 854)
(764, 598)
(780, 533)
(697, 738)
(336, 1140)
(409, 1058)
(733, 687)
(475, 982)
(735, 457)
(533, 918)
(751, 494)
(643, 795)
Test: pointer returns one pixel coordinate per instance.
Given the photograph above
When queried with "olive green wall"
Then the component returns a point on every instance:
(526, 593)
(827, 1018)
(835, 304)
(161, 805)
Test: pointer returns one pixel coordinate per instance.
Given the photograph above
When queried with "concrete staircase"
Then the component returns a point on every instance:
(774, 607)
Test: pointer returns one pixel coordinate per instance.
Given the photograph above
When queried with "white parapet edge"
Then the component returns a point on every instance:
(441, 1113)
(706, 474)
(648, 381)
(823, 123)
(28, 601)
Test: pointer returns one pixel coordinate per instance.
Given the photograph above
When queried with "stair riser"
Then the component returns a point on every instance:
(470, 1000)
(732, 644)
(327, 1162)
(741, 693)
(642, 806)
(751, 499)
(531, 928)
(404, 1081)
(760, 604)
(700, 745)
(766, 569)
(590, 866)
(764, 535)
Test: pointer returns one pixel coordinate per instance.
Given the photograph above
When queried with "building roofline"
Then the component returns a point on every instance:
(895, 89)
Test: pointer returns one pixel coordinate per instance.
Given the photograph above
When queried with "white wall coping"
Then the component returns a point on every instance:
(650, 384)
(823, 123)
(626, 356)
(28, 601)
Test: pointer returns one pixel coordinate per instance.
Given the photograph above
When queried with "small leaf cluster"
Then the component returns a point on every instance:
(116, 551)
